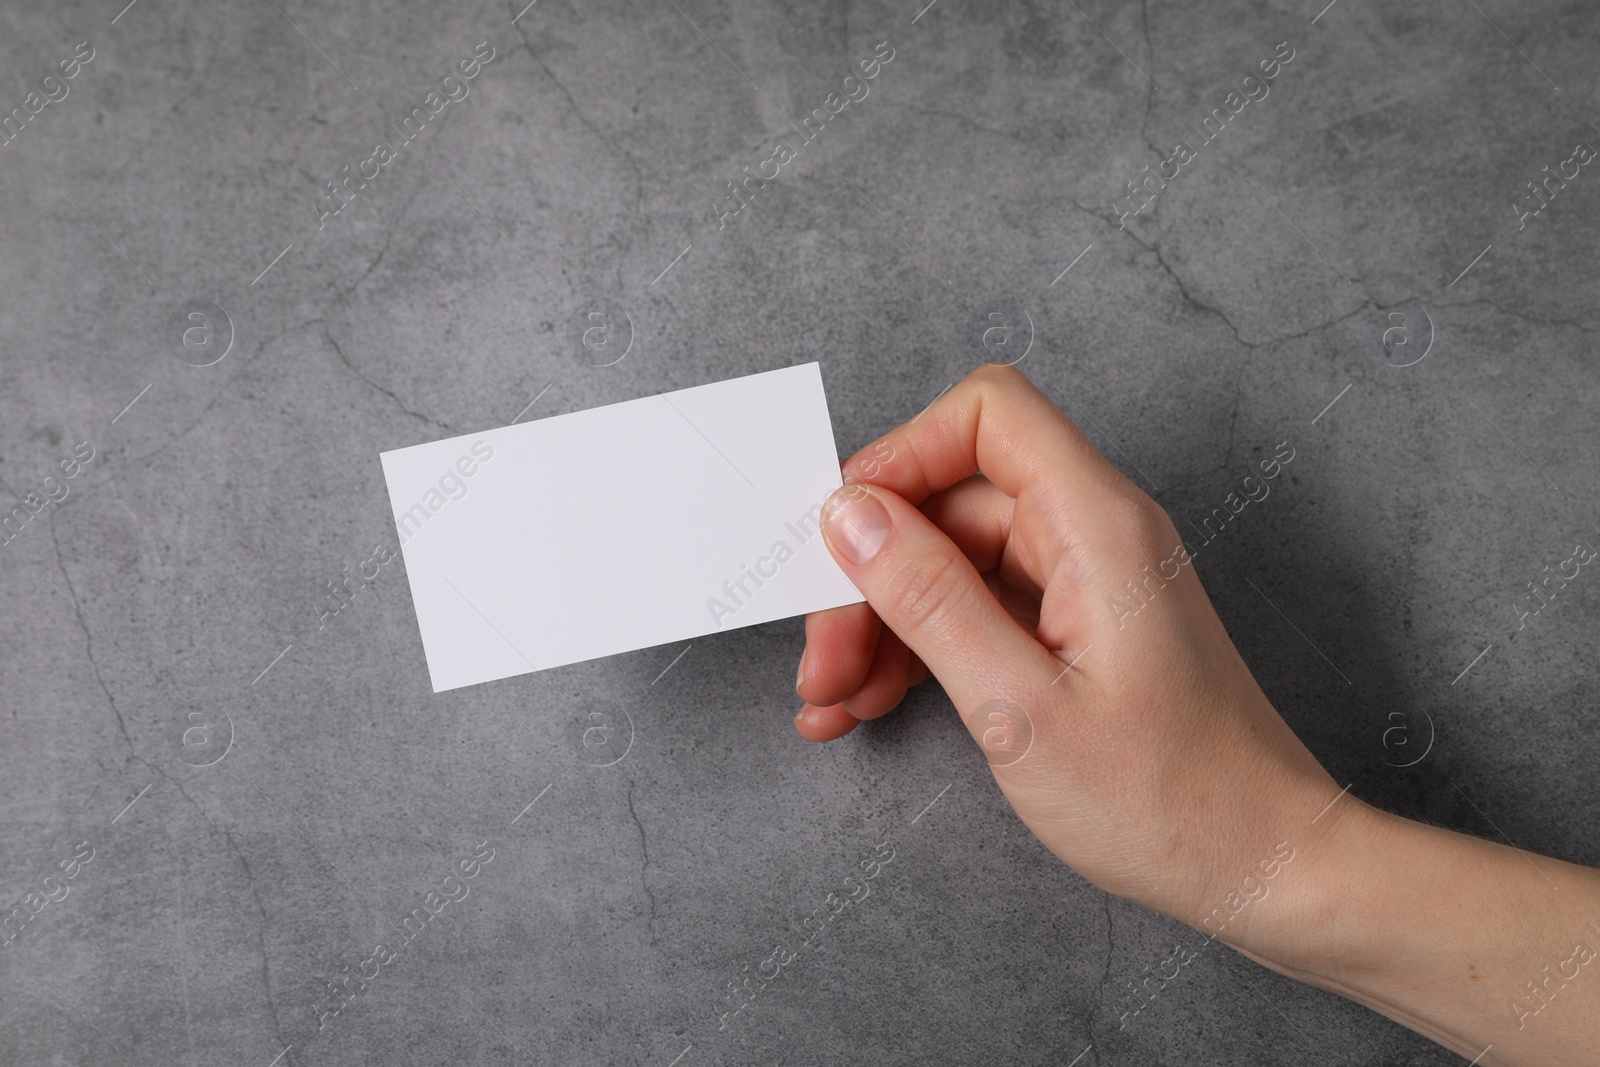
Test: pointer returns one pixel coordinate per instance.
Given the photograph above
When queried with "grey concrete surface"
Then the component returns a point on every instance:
(164, 613)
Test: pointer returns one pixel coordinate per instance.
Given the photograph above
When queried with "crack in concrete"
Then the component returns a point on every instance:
(238, 854)
(644, 865)
(1573, 323)
(218, 395)
(1150, 91)
(255, 893)
(1157, 249)
(423, 155)
(134, 757)
(588, 124)
(328, 335)
(88, 641)
(261, 931)
(941, 113)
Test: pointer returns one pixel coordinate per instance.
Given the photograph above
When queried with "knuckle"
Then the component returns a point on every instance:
(1000, 371)
(1000, 376)
(927, 589)
(875, 459)
(1139, 521)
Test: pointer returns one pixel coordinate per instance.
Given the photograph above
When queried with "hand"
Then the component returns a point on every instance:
(1151, 765)
(1056, 604)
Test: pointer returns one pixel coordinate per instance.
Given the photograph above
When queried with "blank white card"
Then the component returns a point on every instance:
(603, 531)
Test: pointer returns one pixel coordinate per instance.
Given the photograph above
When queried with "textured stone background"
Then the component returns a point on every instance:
(193, 552)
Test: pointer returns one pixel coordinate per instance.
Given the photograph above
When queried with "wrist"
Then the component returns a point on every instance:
(1323, 927)
(1344, 913)
(1294, 910)
(1439, 931)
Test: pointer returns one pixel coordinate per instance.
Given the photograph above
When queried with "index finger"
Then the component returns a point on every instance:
(996, 421)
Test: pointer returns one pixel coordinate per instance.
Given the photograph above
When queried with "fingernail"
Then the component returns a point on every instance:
(855, 523)
(800, 675)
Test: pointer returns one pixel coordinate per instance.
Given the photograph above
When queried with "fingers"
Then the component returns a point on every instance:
(826, 723)
(887, 679)
(975, 514)
(927, 591)
(892, 669)
(994, 420)
(884, 688)
(841, 642)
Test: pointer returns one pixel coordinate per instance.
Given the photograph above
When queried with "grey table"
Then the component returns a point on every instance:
(252, 794)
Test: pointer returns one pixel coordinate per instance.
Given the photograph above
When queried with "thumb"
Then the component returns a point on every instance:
(925, 589)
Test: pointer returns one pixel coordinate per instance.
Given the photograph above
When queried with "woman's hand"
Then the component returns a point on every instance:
(1056, 604)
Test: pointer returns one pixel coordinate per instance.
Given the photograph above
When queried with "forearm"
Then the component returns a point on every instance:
(1474, 944)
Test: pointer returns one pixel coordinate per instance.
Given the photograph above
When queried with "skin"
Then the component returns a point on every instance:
(1139, 749)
